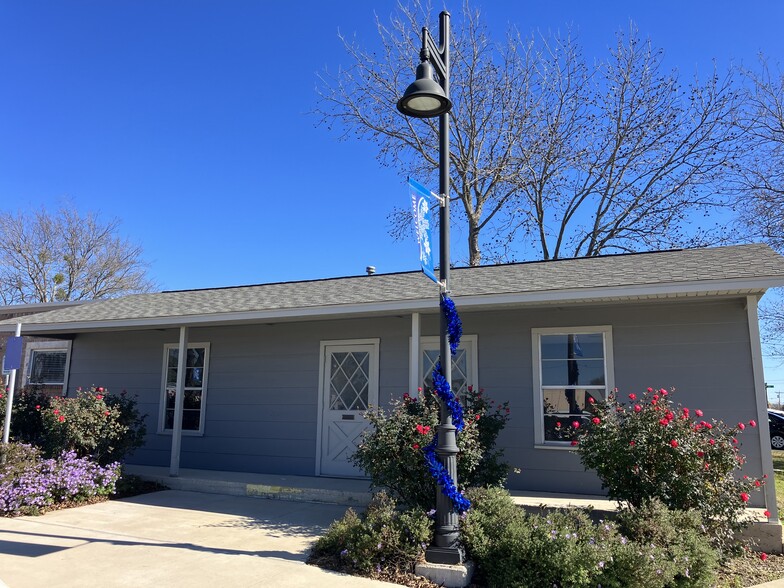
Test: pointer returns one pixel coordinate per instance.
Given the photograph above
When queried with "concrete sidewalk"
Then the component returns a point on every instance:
(171, 538)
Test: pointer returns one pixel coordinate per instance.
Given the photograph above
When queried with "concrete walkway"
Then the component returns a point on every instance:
(171, 538)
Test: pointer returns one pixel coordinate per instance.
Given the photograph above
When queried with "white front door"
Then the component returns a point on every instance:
(349, 386)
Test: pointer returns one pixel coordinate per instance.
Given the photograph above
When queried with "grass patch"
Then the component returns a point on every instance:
(778, 459)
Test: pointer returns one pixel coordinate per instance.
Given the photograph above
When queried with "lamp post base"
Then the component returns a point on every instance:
(450, 576)
(450, 556)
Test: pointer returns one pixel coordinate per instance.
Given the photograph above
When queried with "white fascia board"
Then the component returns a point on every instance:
(740, 286)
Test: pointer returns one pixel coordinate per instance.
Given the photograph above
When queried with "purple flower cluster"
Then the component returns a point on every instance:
(45, 482)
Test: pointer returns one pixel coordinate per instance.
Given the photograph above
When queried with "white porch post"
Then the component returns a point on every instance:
(9, 402)
(174, 467)
(413, 360)
(762, 408)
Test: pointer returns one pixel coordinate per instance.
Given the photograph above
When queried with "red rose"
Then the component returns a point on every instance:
(591, 400)
(698, 412)
(637, 408)
(98, 397)
(596, 420)
(752, 423)
(99, 389)
(575, 424)
(632, 397)
(744, 496)
(673, 443)
(61, 418)
(574, 442)
(712, 441)
(415, 446)
(763, 556)
(741, 426)
(700, 454)
(767, 513)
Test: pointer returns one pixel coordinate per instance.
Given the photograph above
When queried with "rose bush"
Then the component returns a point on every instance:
(94, 423)
(646, 448)
(391, 450)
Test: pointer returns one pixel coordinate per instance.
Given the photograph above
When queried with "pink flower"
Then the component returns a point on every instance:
(698, 412)
(415, 446)
(61, 418)
(632, 443)
(55, 411)
(752, 423)
(575, 424)
(406, 396)
(664, 422)
(574, 442)
(476, 417)
(741, 426)
(650, 389)
(99, 389)
(98, 397)
(685, 411)
(637, 408)
(757, 483)
(655, 397)
(744, 496)
(632, 396)
(470, 388)
(700, 454)
(591, 400)
(763, 556)
(37, 407)
(712, 441)
(734, 440)
(596, 420)
(663, 392)
(106, 413)
(767, 513)
(673, 443)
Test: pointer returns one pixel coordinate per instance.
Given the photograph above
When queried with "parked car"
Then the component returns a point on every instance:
(776, 424)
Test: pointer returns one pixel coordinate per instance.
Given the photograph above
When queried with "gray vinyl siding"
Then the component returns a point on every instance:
(262, 397)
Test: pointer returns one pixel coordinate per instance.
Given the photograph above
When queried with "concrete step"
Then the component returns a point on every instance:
(342, 491)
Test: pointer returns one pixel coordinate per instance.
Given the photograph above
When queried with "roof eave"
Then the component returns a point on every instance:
(740, 287)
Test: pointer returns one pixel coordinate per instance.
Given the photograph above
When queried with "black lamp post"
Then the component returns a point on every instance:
(427, 99)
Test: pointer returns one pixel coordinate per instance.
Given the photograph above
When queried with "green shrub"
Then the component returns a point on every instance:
(649, 448)
(679, 533)
(564, 548)
(26, 423)
(391, 450)
(382, 541)
(93, 424)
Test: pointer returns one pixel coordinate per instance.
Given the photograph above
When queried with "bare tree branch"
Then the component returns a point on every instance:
(64, 256)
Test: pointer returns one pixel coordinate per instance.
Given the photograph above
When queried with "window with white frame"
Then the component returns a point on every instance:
(572, 368)
(47, 363)
(464, 363)
(195, 387)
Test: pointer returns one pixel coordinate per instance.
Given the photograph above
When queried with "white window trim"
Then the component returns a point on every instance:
(609, 374)
(47, 346)
(205, 381)
(468, 342)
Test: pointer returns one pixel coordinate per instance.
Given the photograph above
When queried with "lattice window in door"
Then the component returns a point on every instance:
(349, 380)
(459, 370)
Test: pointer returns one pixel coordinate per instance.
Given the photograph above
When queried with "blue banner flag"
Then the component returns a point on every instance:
(420, 201)
(13, 354)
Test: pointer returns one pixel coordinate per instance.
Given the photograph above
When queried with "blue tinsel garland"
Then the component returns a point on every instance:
(459, 502)
(454, 325)
(455, 331)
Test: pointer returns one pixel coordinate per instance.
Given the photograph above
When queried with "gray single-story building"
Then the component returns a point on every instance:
(276, 376)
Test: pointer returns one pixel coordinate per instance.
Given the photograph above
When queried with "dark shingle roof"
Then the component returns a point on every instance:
(740, 268)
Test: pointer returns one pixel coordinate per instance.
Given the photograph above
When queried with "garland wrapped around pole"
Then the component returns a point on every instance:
(444, 392)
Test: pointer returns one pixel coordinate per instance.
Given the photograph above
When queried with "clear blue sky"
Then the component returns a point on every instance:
(189, 120)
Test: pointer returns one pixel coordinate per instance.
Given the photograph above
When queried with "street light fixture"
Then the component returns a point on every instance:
(427, 99)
